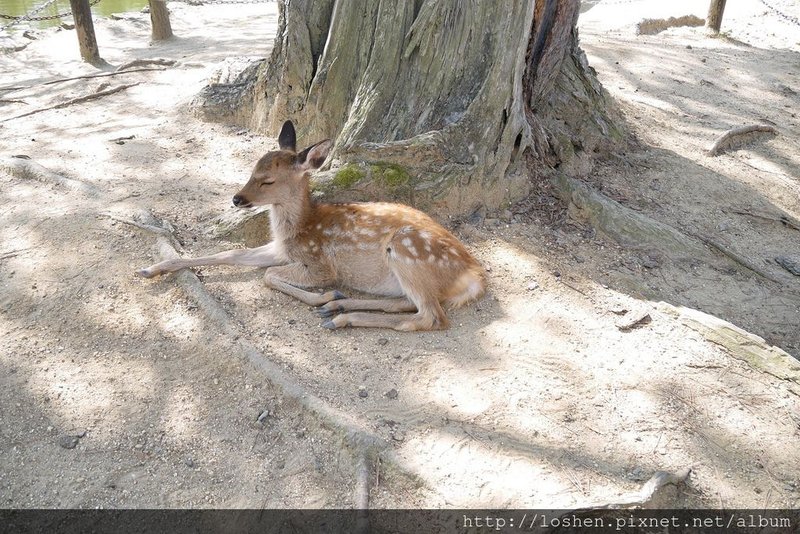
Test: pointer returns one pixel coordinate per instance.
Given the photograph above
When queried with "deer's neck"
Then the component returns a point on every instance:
(288, 219)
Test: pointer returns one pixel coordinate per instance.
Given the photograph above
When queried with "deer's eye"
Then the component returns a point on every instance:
(262, 184)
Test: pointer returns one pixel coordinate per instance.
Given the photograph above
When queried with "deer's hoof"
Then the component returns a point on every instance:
(324, 312)
(338, 295)
(329, 325)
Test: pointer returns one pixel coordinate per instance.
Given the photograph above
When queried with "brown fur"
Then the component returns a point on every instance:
(385, 249)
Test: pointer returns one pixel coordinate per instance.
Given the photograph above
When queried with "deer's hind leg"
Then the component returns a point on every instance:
(421, 295)
(291, 279)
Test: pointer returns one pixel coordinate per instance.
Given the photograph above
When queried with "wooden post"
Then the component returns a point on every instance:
(159, 20)
(714, 20)
(82, 14)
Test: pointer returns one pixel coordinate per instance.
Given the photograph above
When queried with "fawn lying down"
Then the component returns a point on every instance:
(384, 249)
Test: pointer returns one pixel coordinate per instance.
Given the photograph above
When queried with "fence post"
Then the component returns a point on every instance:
(159, 20)
(82, 14)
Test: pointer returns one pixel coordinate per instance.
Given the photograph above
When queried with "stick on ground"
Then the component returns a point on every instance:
(729, 138)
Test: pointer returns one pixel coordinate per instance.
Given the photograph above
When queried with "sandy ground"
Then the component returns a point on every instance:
(120, 392)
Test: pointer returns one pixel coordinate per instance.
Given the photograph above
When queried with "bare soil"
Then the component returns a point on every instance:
(122, 392)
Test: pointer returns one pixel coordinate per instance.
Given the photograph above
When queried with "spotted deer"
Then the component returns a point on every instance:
(390, 250)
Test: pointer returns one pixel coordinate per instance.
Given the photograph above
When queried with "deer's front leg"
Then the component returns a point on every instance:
(265, 256)
(289, 279)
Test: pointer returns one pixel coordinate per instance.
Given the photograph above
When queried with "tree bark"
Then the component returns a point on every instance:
(84, 27)
(441, 103)
(715, 10)
(159, 20)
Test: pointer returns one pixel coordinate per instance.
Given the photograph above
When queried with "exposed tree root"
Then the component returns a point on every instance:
(101, 75)
(741, 344)
(738, 258)
(78, 100)
(633, 229)
(363, 444)
(142, 62)
(645, 496)
(730, 138)
(783, 219)
(620, 223)
(22, 167)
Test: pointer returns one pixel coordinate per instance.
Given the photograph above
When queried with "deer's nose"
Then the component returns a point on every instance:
(239, 200)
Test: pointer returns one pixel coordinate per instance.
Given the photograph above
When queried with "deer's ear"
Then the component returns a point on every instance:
(314, 156)
(287, 139)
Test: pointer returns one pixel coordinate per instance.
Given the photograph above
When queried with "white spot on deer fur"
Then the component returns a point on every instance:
(427, 247)
(412, 249)
(453, 252)
(365, 245)
(408, 259)
(369, 232)
(319, 226)
(328, 231)
(424, 234)
(431, 258)
(311, 242)
(406, 242)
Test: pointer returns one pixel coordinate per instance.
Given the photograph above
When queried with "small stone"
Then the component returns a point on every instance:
(280, 464)
(291, 321)
(391, 394)
(532, 286)
(68, 442)
(188, 461)
(688, 47)
(382, 341)
(398, 435)
(648, 262)
(362, 392)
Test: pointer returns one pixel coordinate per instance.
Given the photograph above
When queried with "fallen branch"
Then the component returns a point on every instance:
(78, 100)
(101, 75)
(23, 167)
(140, 62)
(726, 140)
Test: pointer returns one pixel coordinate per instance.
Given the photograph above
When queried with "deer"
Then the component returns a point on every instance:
(387, 250)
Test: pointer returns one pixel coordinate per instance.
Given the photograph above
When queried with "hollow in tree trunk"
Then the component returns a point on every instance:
(447, 104)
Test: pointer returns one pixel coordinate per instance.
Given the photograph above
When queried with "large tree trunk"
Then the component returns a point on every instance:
(442, 103)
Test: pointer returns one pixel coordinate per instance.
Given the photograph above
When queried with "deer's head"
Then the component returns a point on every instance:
(280, 177)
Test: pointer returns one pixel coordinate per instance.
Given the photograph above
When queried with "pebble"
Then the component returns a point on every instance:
(68, 442)
(398, 435)
(392, 394)
(362, 392)
(189, 461)
(382, 341)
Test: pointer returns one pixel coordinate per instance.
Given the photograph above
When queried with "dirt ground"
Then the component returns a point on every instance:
(122, 392)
